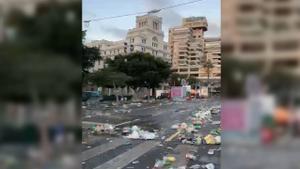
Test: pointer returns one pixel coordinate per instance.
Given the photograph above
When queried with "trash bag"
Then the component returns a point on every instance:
(210, 139)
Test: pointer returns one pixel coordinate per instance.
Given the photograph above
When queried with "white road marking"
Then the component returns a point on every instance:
(85, 155)
(125, 158)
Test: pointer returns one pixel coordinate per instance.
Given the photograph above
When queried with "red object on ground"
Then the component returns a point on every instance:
(266, 135)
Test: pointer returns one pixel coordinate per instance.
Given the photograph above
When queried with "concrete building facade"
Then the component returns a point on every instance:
(265, 31)
(146, 37)
(190, 50)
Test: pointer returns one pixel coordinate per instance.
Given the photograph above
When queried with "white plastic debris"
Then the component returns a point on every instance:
(216, 122)
(218, 139)
(135, 162)
(138, 133)
(174, 126)
(182, 167)
(195, 166)
(190, 156)
(210, 166)
(211, 151)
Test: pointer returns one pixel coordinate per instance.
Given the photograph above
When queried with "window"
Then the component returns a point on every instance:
(286, 45)
(143, 49)
(252, 47)
(155, 25)
(154, 45)
(131, 40)
(154, 39)
(247, 7)
(194, 69)
(144, 41)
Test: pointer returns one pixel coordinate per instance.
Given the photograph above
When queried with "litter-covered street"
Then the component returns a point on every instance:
(159, 134)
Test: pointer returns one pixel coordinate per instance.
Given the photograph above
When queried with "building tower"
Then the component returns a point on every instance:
(186, 45)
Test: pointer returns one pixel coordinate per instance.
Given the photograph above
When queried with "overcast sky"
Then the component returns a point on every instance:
(116, 29)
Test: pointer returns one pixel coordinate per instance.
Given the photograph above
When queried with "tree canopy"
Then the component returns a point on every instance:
(109, 78)
(144, 69)
(42, 58)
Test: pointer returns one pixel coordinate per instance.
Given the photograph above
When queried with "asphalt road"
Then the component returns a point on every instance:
(112, 152)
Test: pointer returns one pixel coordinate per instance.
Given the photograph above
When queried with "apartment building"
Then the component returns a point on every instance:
(265, 31)
(146, 37)
(190, 50)
(213, 53)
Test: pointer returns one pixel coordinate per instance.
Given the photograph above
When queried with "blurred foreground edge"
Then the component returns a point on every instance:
(40, 72)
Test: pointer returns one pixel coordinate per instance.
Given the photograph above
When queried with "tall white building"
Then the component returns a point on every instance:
(147, 37)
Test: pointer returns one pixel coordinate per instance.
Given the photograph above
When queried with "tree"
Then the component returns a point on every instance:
(110, 79)
(192, 81)
(89, 56)
(175, 79)
(42, 59)
(208, 66)
(144, 69)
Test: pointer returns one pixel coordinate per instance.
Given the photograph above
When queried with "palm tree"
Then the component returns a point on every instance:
(208, 65)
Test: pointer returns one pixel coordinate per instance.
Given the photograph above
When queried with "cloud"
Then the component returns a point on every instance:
(170, 17)
(114, 31)
(213, 30)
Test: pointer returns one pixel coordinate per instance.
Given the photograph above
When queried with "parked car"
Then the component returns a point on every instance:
(91, 96)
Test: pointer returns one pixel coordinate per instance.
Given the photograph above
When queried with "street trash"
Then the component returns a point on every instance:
(159, 164)
(218, 139)
(103, 128)
(137, 133)
(170, 148)
(82, 162)
(171, 159)
(126, 130)
(89, 147)
(210, 166)
(175, 126)
(166, 162)
(198, 140)
(211, 151)
(210, 139)
(183, 126)
(190, 156)
(216, 122)
(195, 166)
(135, 162)
(216, 132)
